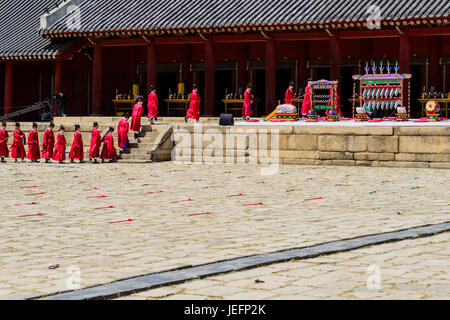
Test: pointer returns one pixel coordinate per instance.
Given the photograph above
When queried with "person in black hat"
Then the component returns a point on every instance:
(62, 103)
(290, 94)
(138, 110)
(247, 109)
(4, 152)
(194, 105)
(17, 147)
(152, 105)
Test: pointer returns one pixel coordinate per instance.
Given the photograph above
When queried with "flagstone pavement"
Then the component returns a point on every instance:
(95, 224)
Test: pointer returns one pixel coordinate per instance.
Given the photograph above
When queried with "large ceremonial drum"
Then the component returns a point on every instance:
(432, 109)
(226, 119)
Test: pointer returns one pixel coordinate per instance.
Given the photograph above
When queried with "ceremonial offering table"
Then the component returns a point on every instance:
(238, 104)
(177, 102)
(120, 109)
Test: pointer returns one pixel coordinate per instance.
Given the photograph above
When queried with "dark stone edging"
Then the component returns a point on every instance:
(175, 276)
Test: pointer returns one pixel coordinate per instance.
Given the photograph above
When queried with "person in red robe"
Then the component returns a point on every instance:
(96, 139)
(76, 151)
(194, 105)
(34, 153)
(108, 150)
(138, 110)
(122, 133)
(306, 106)
(48, 143)
(17, 148)
(152, 105)
(247, 109)
(4, 135)
(289, 97)
(59, 153)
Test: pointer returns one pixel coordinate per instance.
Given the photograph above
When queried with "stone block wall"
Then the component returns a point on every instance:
(393, 146)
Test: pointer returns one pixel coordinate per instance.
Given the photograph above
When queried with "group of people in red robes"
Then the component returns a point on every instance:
(55, 149)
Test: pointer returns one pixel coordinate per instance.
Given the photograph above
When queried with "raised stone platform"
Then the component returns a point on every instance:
(343, 143)
(387, 143)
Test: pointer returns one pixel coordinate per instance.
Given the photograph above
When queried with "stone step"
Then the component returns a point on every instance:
(135, 157)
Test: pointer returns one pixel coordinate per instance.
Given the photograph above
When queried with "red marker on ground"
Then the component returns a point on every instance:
(182, 201)
(30, 215)
(253, 204)
(198, 214)
(90, 189)
(30, 187)
(314, 199)
(35, 194)
(155, 192)
(108, 207)
(235, 195)
(97, 197)
(25, 204)
(121, 221)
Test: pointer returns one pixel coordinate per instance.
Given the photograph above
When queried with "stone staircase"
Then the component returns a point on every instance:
(154, 144)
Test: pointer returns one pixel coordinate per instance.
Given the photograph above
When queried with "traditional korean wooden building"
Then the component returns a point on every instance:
(95, 49)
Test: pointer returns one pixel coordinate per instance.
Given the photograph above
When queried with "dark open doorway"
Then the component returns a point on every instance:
(223, 83)
(283, 77)
(346, 89)
(166, 81)
(322, 73)
(259, 89)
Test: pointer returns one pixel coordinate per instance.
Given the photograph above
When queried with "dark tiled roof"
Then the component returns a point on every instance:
(19, 30)
(113, 15)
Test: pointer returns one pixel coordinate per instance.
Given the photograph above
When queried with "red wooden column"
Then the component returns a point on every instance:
(9, 88)
(303, 53)
(58, 82)
(270, 75)
(405, 53)
(335, 58)
(97, 80)
(209, 78)
(152, 72)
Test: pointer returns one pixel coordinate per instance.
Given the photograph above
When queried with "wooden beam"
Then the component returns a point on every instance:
(419, 32)
(238, 38)
(69, 52)
(122, 42)
(301, 36)
(369, 34)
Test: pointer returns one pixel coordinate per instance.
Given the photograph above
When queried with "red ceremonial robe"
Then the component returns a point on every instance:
(306, 106)
(33, 146)
(248, 101)
(48, 143)
(152, 105)
(138, 110)
(108, 150)
(4, 143)
(76, 151)
(122, 133)
(194, 106)
(17, 148)
(59, 153)
(289, 97)
(95, 143)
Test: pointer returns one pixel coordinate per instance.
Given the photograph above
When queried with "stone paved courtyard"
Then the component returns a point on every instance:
(411, 269)
(249, 213)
